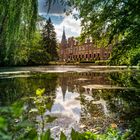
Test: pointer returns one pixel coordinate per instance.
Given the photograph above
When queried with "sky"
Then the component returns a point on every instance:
(60, 20)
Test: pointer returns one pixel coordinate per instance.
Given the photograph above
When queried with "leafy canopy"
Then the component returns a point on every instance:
(115, 22)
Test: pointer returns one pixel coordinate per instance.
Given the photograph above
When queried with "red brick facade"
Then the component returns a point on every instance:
(72, 50)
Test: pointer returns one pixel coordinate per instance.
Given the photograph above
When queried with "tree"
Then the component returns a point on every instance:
(17, 22)
(37, 53)
(49, 39)
(115, 22)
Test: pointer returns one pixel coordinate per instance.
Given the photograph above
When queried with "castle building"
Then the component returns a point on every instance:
(72, 50)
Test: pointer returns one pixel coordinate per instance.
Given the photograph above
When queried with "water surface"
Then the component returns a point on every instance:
(79, 97)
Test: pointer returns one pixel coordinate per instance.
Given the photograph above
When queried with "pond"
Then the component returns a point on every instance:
(80, 97)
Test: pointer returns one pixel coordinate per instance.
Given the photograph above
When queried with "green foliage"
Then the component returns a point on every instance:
(111, 22)
(21, 128)
(2, 123)
(37, 52)
(110, 134)
(49, 40)
(135, 60)
(30, 134)
(62, 136)
(46, 135)
(76, 135)
(18, 20)
(42, 104)
(17, 27)
(90, 61)
(17, 109)
(14, 125)
(101, 62)
(50, 119)
(136, 129)
(40, 92)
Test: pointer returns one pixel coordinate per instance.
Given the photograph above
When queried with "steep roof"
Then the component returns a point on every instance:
(64, 40)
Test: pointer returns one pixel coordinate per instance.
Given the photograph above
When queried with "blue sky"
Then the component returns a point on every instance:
(59, 19)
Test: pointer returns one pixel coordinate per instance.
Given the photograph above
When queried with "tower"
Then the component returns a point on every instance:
(63, 46)
(64, 40)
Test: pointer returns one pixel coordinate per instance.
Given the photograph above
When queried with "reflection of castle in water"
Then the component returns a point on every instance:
(97, 105)
(75, 81)
(94, 108)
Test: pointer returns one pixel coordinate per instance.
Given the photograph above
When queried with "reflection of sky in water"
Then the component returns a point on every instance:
(69, 107)
(67, 110)
(101, 100)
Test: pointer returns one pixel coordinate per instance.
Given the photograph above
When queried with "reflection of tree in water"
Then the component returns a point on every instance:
(100, 108)
(12, 89)
(49, 83)
(105, 107)
(75, 83)
(126, 79)
(130, 79)
(25, 89)
(123, 105)
(131, 98)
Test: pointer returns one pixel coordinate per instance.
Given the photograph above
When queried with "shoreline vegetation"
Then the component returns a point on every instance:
(96, 63)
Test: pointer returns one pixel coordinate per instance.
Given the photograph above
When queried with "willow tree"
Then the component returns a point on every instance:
(17, 21)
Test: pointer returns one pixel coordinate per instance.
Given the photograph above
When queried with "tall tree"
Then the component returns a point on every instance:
(115, 22)
(37, 53)
(49, 39)
(18, 18)
(17, 22)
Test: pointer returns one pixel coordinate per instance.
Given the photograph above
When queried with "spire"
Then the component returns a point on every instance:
(64, 40)
(63, 36)
(49, 20)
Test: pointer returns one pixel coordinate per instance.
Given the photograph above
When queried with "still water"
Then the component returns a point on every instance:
(79, 97)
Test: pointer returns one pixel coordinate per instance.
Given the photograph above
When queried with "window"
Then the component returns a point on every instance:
(90, 55)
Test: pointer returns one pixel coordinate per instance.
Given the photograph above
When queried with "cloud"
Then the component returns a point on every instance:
(59, 19)
(72, 27)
